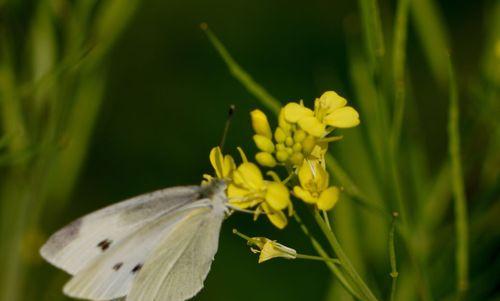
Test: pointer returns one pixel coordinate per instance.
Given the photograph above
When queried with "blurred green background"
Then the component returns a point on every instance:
(104, 100)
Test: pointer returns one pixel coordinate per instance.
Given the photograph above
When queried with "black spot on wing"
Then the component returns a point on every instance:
(137, 268)
(117, 266)
(104, 245)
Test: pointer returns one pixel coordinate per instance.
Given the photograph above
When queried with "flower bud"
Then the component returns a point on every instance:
(297, 158)
(282, 155)
(260, 124)
(308, 144)
(299, 136)
(265, 159)
(263, 143)
(279, 135)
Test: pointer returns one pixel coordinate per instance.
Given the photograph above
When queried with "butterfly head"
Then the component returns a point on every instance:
(215, 190)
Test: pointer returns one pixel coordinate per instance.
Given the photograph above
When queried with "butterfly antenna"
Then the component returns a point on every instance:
(230, 114)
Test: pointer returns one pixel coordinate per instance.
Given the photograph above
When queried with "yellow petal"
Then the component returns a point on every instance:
(331, 101)
(304, 195)
(248, 175)
(236, 192)
(328, 198)
(263, 143)
(294, 112)
(345, 117)
(228, 167)
(321, 175)
(312, 126)
(277, 196)
(265, 159)
(277, 218)
(260, 124)
(305, 174)
(238, 197)
(217, 161)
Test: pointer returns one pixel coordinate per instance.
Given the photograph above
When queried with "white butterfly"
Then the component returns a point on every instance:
(154, 247)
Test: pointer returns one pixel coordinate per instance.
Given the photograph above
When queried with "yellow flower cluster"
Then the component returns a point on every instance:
(298, 143)
(301, 132)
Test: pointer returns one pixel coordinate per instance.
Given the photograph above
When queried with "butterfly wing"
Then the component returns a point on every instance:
(75, 246)
(111, 275)
(179, 265)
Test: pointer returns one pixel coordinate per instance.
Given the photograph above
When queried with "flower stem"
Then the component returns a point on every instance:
(327, 219)
(461, 220)
(335, 269)
(344, 260)
(319, 258)
(392, 255)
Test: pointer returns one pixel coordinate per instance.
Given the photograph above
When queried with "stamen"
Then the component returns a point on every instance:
(230, 114)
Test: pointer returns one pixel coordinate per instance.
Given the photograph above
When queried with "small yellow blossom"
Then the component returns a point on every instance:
(314, 188)
(330, 110)
(249, 189)
(270, 249)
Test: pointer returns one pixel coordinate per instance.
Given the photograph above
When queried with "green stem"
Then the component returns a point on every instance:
(392, 255)
(346, 263)
(327, 219)
(461, 223)
(398, 62)
(399, 55)
(336, 271)
(319, 258)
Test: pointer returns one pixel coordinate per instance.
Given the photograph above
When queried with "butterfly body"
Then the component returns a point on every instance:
(154, 247)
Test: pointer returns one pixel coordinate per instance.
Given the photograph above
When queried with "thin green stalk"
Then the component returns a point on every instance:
(317, 246)
(319, 258)
(398, 64)
(241, 75)
(346, 263)
(392, 256)
(327, 219)
(373, 31)
(461, 219)
(399, 54)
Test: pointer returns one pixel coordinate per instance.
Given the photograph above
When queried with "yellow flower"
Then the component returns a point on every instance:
(249, 189)
(329, 110)
(270, 249)
(314, 188)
